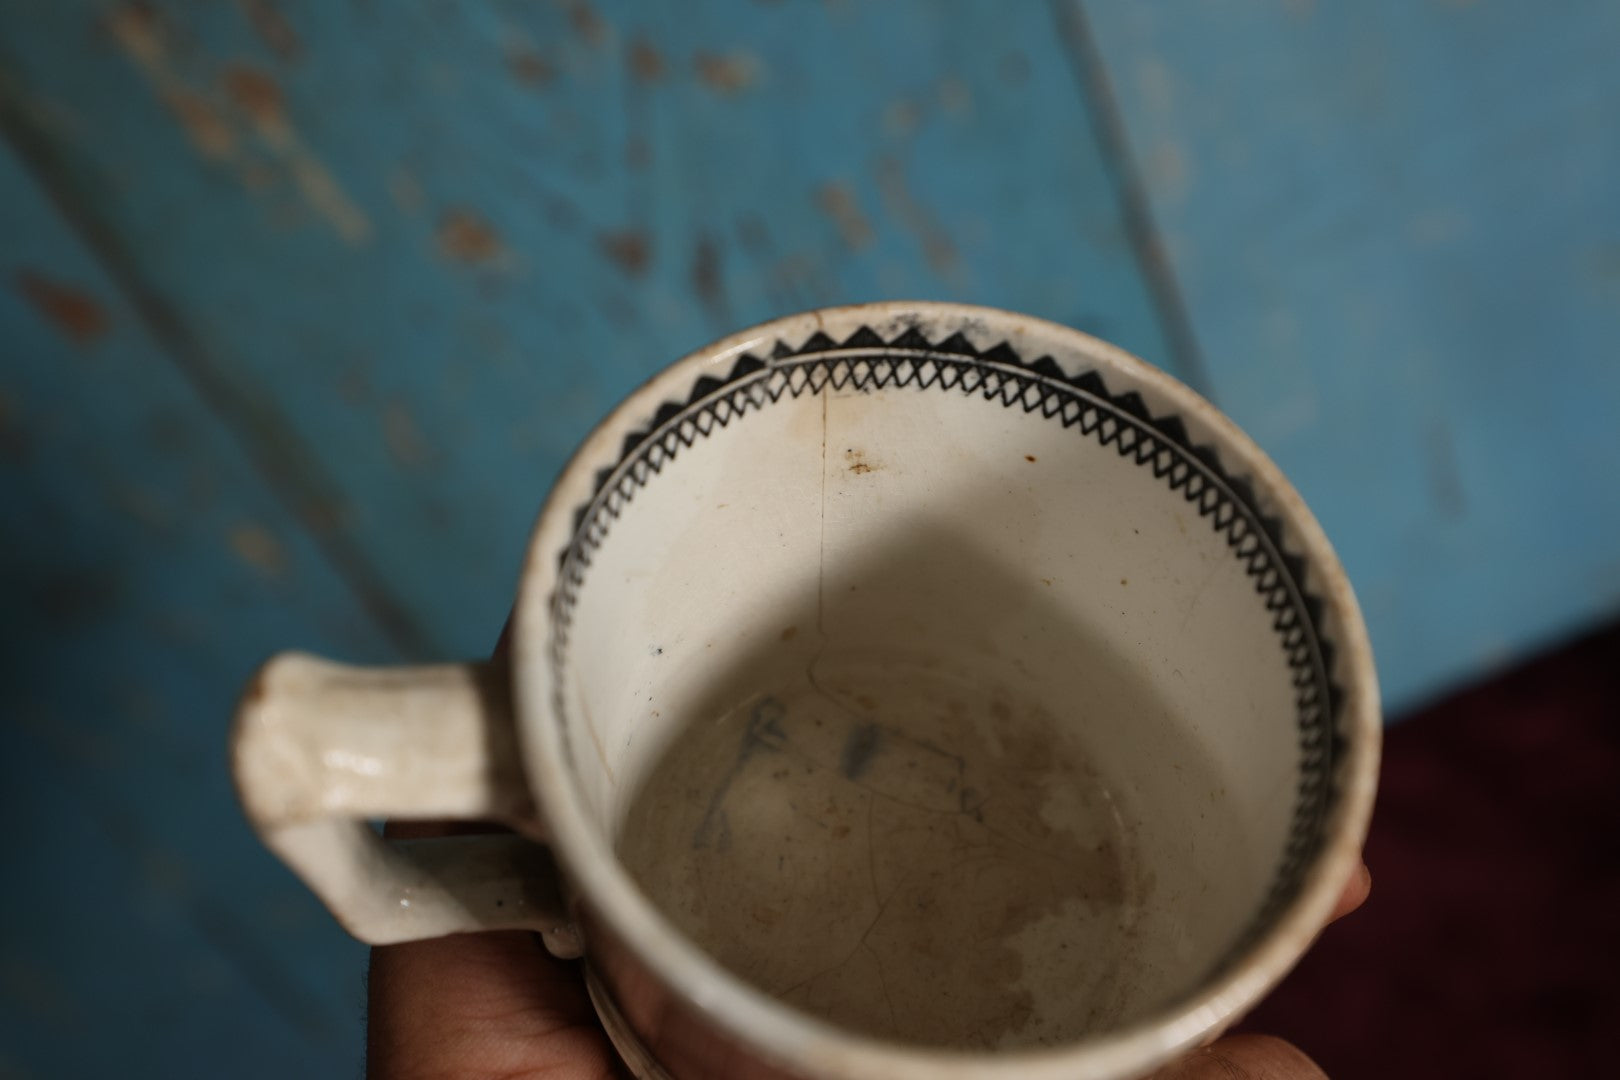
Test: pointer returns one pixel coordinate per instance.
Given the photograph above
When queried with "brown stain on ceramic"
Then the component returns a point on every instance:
(1029, 458)
(646, 62)
(628, 249)
(272, 28)
(787, 635)
(855, 461)
(465, 237)
(838, 202)
(729, 73)
(72, 310)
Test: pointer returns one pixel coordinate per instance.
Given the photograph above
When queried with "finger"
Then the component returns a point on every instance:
(1244, 1057)
(1355, 893)
(478, 1007)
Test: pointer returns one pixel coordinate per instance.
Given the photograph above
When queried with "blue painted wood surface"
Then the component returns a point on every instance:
(319, 322)
(303, 304)
(426, 266)
(146, 569)
(1396, 231)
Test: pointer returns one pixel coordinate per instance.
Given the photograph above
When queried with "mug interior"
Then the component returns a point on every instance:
(942, 683)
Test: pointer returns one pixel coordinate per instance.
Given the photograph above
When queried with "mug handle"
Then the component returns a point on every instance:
(320, 749)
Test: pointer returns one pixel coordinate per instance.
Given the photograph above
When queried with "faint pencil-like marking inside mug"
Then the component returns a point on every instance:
(894, 841)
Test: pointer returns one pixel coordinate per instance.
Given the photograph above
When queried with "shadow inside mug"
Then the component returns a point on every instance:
(933, 803)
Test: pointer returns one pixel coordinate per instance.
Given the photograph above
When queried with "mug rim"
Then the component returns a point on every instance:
(772, 1029)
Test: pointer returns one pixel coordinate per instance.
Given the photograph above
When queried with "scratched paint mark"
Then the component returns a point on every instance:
(69, 308)
(646, 62)
(139, 34)
(255, 93)
(403, 436)
(256, 176)
(530, 68)
(901, 117)
(141, 37)
(465, 237)
(406, 191)
(838, 202)
(918, 219)
(707, 276)
(259, 96)
(203, 124)
(955, 97)
(135, 27)
(728, 73)
(272, 28)
(587, 23)
(255, 546)
(628, 249)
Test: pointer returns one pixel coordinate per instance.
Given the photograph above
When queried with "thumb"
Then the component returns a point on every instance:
(1244, 1057)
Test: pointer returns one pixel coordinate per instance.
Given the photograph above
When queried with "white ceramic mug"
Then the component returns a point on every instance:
(1002, 524)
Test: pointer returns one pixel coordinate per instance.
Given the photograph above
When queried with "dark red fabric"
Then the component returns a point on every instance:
(1491, 944)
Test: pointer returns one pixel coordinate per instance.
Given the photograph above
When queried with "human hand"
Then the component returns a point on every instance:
(497, 1006)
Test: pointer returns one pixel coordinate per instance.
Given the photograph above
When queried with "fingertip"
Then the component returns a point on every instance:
(1356, 891)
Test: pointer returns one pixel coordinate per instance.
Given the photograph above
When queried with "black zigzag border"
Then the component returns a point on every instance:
(864, 361)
